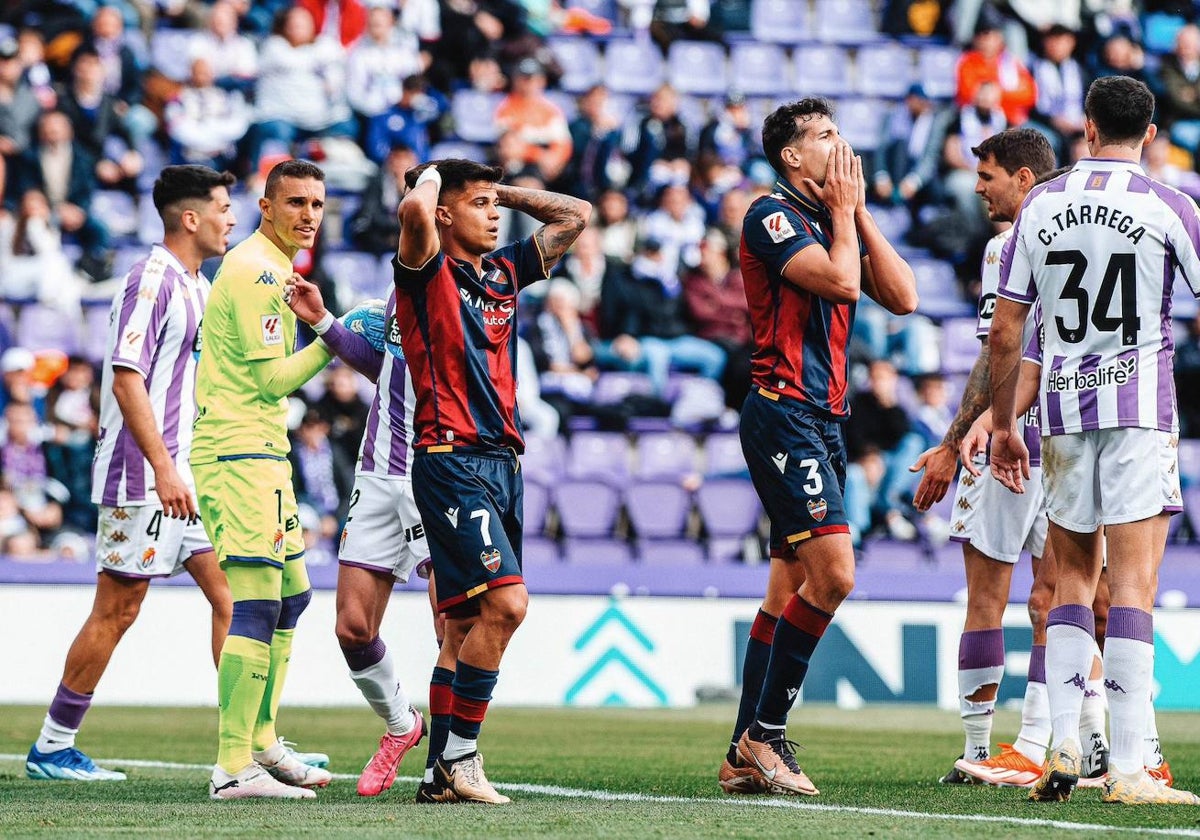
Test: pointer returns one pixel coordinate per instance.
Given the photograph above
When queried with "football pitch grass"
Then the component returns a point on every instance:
(571, 773)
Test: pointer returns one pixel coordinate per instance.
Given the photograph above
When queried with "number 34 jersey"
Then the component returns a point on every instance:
(1101, 248)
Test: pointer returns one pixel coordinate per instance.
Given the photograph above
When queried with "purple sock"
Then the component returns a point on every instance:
(1037, 664)
(68, 707)
(359, 659)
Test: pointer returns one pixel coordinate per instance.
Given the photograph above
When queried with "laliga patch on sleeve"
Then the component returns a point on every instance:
(778, 227)
(272, 330)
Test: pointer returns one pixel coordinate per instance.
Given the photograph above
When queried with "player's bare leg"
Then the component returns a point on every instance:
(207, 573)
(362, 600)
(784, 579)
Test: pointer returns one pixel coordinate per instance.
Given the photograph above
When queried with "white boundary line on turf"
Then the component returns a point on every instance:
(793, 804)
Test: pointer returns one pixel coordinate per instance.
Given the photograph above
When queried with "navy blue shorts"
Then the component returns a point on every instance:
(797, 461)
(471, 506)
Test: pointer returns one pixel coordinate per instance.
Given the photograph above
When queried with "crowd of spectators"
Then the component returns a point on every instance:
(94, 96)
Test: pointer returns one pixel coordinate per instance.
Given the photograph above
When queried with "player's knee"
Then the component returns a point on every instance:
(291, 608)
(508, 609)
(834, 587)
(255, 620)
(353, 631)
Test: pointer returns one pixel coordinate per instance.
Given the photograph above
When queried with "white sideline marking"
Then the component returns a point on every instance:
(745, 802)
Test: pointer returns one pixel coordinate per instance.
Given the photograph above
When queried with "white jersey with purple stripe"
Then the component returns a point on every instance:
(386, 449)
(1101, 249)
(989, 275)
(153, 328)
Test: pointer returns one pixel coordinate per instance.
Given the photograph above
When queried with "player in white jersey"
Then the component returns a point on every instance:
(383, 540)
(1100, 249)
(141, 478)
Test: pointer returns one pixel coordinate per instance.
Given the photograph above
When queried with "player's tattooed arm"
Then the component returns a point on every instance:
(977, 396)
(563, 218)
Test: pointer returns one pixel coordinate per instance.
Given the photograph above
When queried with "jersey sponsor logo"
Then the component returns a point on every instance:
(147, 558)
(1118, 373)
(197, 342)
(392, 337)
(416, 532)
(817, 508)
(490, 558)
(987, 307)
(131, 342)
(495, 313)
(266, 279)
(778, 227)
(272, 330)
(780, 459)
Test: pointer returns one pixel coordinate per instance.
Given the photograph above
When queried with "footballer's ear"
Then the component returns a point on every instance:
(442, 215)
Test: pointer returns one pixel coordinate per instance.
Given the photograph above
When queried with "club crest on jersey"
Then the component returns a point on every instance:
(490, 558)
(778, 227)
(272, 330)
(267, 279)
(147, 558)
(342, 541)
(817, 508)
(277, 543)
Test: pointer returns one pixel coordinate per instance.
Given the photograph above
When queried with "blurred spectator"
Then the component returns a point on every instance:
(618, 231)
(1156, 160)
(588, 268)
(678, 226)
(23, 463)
(344, 408)
(711, 178)
(301, 87)
(910, 342)
(340, 21)
(715, 298)
(595, 140)
(536, 121)
(974, 124)
(64, 172)
(375, 228)
(933, 413)
(989, 61)
(538, 416)
(658, 135)
(909, 152)
(233, 55)
(205, 122)
(1119, 56)
(642, 318)
(560, 342)
(380, 61)
(32, 262)
(1061, 86)
(917, 17)
(72, 409)
(16, 377)
(729, 136)
(473, 29)
(484, 75)
(321, 474)
(19, 104)
(687, 20)
(730, 213)
(17, 537)
(31, 53)
(122, 73)
(1187, 380)
(1179, 105)
(407, 122)
(95, 115)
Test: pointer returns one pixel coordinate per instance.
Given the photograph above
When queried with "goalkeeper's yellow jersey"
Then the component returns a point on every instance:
(246, 321)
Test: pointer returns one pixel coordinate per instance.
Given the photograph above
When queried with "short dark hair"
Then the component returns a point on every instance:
(291, 169)
(177, 184)
(1017, 147)
(1052, 174)
(456, 173)
(781, 128)
(1121, 107)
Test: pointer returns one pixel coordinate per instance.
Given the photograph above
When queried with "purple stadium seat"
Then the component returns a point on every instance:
(538, 551)
(860, 122)
(124, 259)
(960, 347)
(580, 61)
(586, 508)
(693, 112)
(604, 552)
(658, 509)
(935, 278)
(169, 53)
(937, 70)
(568, 103)
(43, 328)
(728, 506)
(845, 21)
(697, 67)
(633, 66)
(893, 222)
(544, 460)
(821, 70)
(603, 456)
(95, 332)
(665, 455)
(119, 211)
(670, 552)
(613, 387)
(780, 21)
(758, 69)
(726, 549)
(150, 228)
(474, 113)
(537, 503)
(723, 454)
(884, 69)
(354, 272)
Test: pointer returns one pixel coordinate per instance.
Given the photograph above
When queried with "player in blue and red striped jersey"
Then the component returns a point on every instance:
(456, 299)
(808, 250)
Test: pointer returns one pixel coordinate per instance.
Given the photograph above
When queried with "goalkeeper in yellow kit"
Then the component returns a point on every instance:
(247, 369)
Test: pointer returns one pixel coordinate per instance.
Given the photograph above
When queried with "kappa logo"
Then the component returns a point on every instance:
(992, 258)
(490, 558)
(1113, 685)
(817, 508)
(148, 557)
(778, 227)
(113, 558)
(120, 513)
(277, 542)
(117, 537)
(780, 459)
(958, 527)
(964, 504)
(452, 515)
(266, 279)
(1078, 681)
(147, 292)
(272, 330)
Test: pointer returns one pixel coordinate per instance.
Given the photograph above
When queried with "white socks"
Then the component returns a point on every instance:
(1152, 755)
(1069, 650)
(1034, 737)
(457, 747)
(977, 716)
(385, 695)
(54, 737)
(1128, 669)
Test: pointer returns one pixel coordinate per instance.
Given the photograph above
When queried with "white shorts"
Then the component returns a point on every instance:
(1110, 477)
(383, 531)
(140, 541)
(1000, 524)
